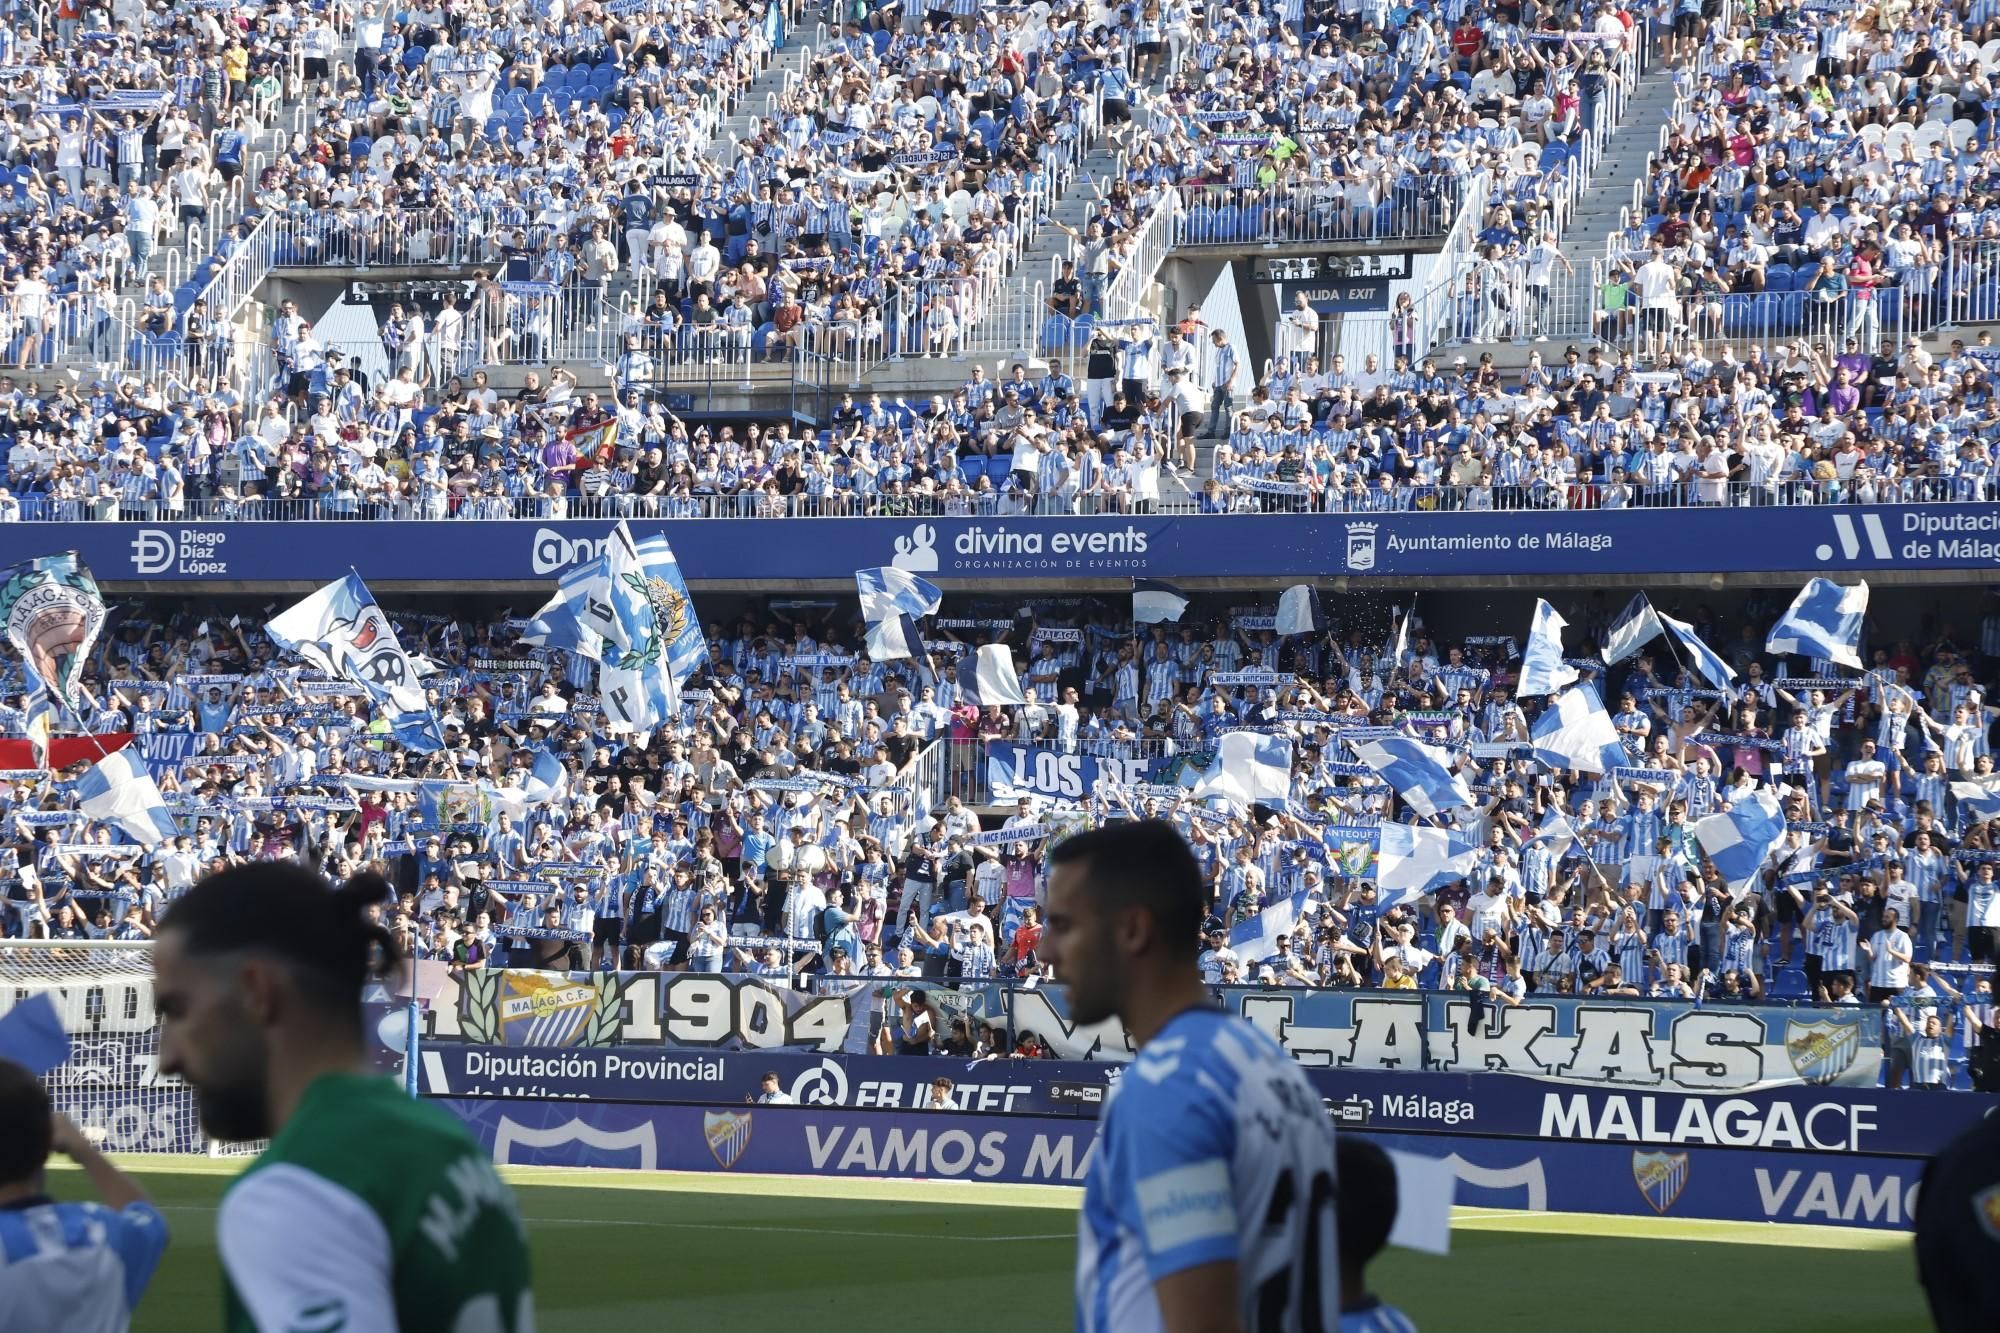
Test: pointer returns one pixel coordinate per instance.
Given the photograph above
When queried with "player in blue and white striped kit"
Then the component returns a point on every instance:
(1209, 1207)
(66, 1267)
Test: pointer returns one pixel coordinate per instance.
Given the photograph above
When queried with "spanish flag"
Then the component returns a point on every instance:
(599, 442)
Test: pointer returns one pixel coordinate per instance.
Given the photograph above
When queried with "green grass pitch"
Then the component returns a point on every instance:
(627, 1249)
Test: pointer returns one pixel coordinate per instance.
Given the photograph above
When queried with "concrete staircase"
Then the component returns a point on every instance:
(1624, 161)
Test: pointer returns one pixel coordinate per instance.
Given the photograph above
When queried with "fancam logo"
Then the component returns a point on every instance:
(1850, 541)
(553, 552)
(196, 551)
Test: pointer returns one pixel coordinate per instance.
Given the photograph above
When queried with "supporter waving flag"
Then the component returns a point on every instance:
(341, 630)
(120, 792)
(892, 601)
(1298, 611)
(1418, 772)
(1543, 670)
(1155, 601)
(1414, 861)
(1740, 839)
(1824, 620)
(1636, 626)
(54, 613)
(1575, 732)
(987, 677)
(1704, 661)
(1249, 767)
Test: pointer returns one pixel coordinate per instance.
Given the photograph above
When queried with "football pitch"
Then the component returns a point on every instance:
(616, 1249)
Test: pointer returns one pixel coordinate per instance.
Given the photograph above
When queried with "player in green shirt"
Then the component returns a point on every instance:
(369, 1211)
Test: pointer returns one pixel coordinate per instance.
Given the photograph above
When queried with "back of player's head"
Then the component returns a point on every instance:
(1367, 1205)
(1142, 863)
(284, 911)
(24, 1110)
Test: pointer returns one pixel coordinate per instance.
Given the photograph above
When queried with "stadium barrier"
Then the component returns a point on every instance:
(1838, 540)
(1872, 1121)
(1668, 1045)
(1724, 1184)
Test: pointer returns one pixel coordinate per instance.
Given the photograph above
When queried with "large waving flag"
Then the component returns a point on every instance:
(1298, 611)
(1575, 732)
(1255, 938)
(1824, 620)
(1414, 861)
(53, 613)
(1740, 839)
(1703, 660)
(547, 781)
(118, 791)
(341, 630)
(560, 624)
(987, 677)
(1420, 773)
(1636, 626)
(1154, 601)
(892, 602)
(1249, 768)
(1978, 800)
(1543, 670)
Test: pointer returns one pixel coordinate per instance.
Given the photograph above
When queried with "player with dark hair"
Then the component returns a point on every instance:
(1209, 1206)
(1367, 1208)
(66, 1266)
(369, 1210)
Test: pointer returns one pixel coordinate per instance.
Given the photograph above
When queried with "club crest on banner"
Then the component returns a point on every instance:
(1661, 1177)
(1821, 1052)
(728, 1134)
(551, 1009)
(1360, 547)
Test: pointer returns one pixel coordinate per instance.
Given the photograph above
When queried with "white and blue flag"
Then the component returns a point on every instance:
(987, 677)
(1739, 840)
(547, 781)
(1824, 620)
(1978, 801)
(1575, 732)
(1556, 830)
(1155, 602)
(1704, 661)
(1255, 938)
(117, 790)
(1249, 768)
(341, 630)
(1543, 670)
(1420, 773)
(892, 602)
(628, 609)
(1411, 861)
(1636, 626)
(1298, 611)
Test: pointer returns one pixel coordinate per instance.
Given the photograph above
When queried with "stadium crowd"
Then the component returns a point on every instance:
(801, 821)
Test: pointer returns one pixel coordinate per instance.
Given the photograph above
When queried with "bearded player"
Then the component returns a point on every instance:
(1209, 1206)
(369, 1210)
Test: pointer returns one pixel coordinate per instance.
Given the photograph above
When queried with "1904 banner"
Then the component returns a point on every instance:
(1628, 1043)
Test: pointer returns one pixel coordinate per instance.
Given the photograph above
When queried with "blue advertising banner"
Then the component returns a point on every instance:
(1038, 1087)
(1038, 770)
(1834, 540)
(1876, 1121)
(1631, 1043)
(1722, 1184)
(781, 1140)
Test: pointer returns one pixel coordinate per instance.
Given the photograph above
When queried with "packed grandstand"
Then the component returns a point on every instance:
(636, 195)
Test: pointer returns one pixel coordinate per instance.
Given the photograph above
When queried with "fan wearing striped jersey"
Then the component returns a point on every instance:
(1209, 1206)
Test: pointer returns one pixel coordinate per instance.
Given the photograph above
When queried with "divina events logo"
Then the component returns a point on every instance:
(1082, 547)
